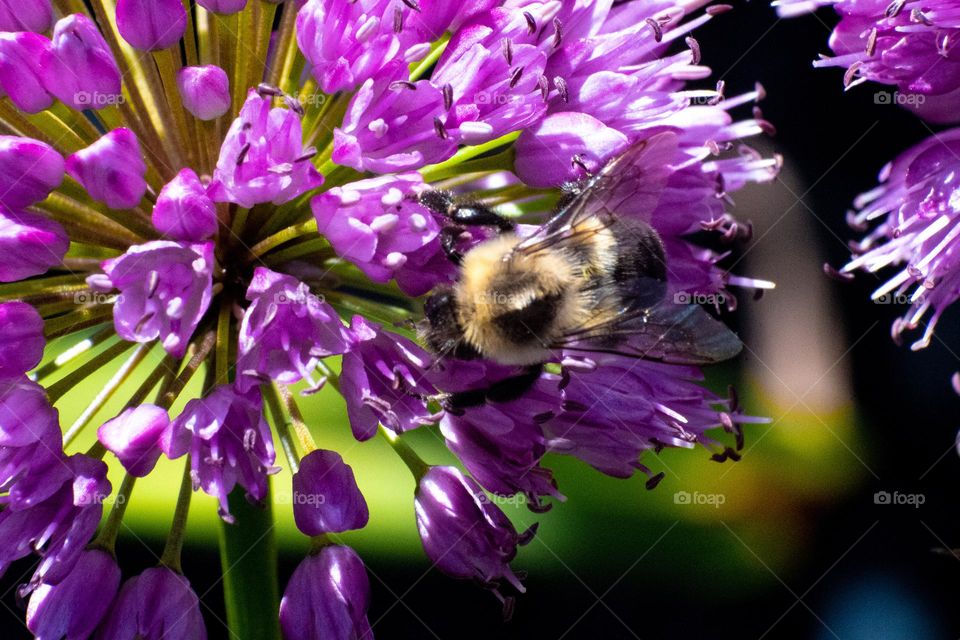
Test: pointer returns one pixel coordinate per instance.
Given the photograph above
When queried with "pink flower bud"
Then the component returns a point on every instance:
(134, 435)
(224, 7)
(30, 244)
(79, 68)
(112, 169)
(151, 25)
(205, 91)
(20, 77)
(184, 211)
(29, 171)
(25, 15)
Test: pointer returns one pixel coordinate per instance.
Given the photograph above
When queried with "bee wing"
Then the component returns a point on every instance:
(630, 184)
(667, 332)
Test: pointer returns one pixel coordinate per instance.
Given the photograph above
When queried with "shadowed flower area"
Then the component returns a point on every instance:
(213, 202)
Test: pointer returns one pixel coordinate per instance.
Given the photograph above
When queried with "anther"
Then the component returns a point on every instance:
(515, 76)
(531, 22)
(557, 33)
(657, 29)
(440, 129)
(562, 89)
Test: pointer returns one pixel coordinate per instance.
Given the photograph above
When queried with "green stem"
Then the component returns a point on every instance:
(107, 539)
(414, 462)
(248, 557)
(73, 352)
(76, 320)
(459, 165)
(56, 390)
(424, 65)
(171, 552)
(281, 237)
(282, 423)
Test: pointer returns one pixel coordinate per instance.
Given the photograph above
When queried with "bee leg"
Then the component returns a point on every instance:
(448, 242)
(505, 390)
(467, 213)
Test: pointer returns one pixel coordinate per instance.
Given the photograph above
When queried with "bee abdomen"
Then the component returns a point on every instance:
(641, 270)
(532, 323)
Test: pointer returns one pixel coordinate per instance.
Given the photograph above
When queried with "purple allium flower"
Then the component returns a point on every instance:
(379, 225)
(29, 171)
(75, 606)
(25, 414)
(60, 525)
(79, 67)
(111, 169)
(31, 15)
(205, 90)
(165, 289)
(463, 532)
(383, 381)
(151, 25)
(285, 330)
(184, 211)
(224, 7)
(916, 205)
(20, 72)
(437, 16)
(158, 603)
(30, 244)
(347, 43)
(394, 126)
(326, 498)
(21, 339)
(262, 158)
(134, 437)
(327, 597)
(229, 443)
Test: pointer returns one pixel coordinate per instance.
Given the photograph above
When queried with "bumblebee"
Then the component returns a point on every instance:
(589, 279)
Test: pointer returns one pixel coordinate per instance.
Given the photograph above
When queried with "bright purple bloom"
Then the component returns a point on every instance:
(29, 171)
(21, 339)
(347, 43)
(75, 606)
(184, 211)
(463, 532)
(393, 126)
(224, 7)
(205, 91)
(326, 498)
(229, 443)
(25, 15)
(262, 158)
(285, 330)
(327, 597)
(379, 225)
(111, 169)
(158, 603)
(437, 16)
(165, 289)
(20, 72)
(59, 526)
(30, 244)
(134, 437)
(25, 414)
(151, 25)
(917, 204)
(79, 67)
(383, 381)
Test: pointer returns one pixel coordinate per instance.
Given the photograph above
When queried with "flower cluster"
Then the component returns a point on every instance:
(126, 234)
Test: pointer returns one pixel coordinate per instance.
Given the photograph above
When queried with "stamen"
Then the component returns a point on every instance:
(515, 77)
(557, 33)
(561, 86)
(447, 90)
(657, 29)
(506, 46)
(531, 22)
(440, 129)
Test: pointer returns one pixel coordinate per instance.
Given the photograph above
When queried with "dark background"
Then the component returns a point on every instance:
(841, 566)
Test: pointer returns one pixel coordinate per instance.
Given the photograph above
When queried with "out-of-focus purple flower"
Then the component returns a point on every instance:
(900, 43)
(229, 442)
(183, 210)
(151, 25)
(79, 68)
(463, 532)
(74, 607)
(111, 169)
(327, 597)
(159, 603)
(379, 225)
(21, 339)
(20, 72)
(223, 7)
(29, 171)
(59, 526)
(285, 330)
(262, 158)
(346, 43)
(165, 289)
(393, 126)
(383, 380)
(134, 437)
(326, 498)
(29, 15)
(30, 244)
(205, 91)
(917, 204)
